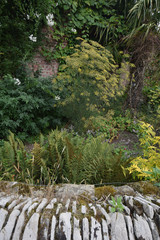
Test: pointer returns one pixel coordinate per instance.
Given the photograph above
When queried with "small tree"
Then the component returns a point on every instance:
(88, 81)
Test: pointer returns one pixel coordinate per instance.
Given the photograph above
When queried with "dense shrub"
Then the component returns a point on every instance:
(26, 106)
(88, 81)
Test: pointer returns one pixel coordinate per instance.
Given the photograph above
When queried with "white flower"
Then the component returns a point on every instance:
(56, 4)
(17, 81)
(57, 98)
(33, 39)
(50, 23)
(50, 20)
(50, 16)
(74, 30)
(37, 15)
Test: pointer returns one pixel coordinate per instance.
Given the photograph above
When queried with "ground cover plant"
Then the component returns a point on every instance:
(110, 125)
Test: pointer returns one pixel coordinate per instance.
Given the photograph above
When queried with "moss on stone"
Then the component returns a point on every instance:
(84, 199)
(146, 188)
(24, 189)
(104, 191)
(3, 186)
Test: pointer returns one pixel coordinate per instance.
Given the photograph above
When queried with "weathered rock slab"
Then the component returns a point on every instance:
(6, 231)
(118, 227)
(142, 229)
(31, 229)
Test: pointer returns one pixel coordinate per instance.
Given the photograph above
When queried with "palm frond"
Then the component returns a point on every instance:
(142, 11)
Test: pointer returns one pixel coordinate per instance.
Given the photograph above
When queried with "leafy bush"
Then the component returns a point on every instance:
(153, 97)
(143, 166)
(152, 104)
(154, 176)
(61, 157)
(88, 81)
(26, 106)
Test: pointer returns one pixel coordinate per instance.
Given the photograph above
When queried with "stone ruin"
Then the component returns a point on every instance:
(69, 211)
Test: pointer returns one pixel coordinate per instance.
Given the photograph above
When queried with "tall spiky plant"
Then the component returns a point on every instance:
(144, 12)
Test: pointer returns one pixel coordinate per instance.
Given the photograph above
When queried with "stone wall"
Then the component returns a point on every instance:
(44, 67)
(39, 63)
(72, 212)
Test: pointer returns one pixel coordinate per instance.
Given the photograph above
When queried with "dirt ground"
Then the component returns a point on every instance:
(128, 140)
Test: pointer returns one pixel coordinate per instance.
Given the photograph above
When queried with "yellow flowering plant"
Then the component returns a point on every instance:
(143, 166)
(92, 75)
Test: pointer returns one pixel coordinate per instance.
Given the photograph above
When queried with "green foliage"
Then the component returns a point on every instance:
(88, 81)
(154, 175)
(109, 125)
(26, 106)
(151, 88)
(61, 157)
(101, 164)
(143, 42)
(88, 18)
(117, 205)
(143, 18)
(101, 125)
(87, 85)
(151, 107)
(143, 11)
(60, 153)
(39, 171)
(153, 97)
(152, 73)
(98, 21)
(14, 160)
(19, 20)
(75, 159)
